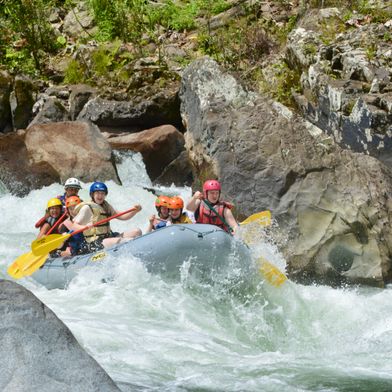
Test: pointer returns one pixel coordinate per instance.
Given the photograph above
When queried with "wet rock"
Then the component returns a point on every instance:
(158, 146)
(332, 205)
(72, 149)
(177, 172)
(39, 353)
(5, 109)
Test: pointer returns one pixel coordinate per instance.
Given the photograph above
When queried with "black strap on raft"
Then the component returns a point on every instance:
(209, 205)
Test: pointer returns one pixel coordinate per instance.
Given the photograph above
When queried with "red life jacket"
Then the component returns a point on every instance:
(205, 215)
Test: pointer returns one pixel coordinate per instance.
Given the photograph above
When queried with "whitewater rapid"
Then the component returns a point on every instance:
(154, 335)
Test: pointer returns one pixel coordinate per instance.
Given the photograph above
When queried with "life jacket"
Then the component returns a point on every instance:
(100, 212)
(52, 221)
(205, 215)
(183, 218)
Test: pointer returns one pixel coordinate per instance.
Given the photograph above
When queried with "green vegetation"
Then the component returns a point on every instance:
(26, 23)
(282, 82)
(126, 30)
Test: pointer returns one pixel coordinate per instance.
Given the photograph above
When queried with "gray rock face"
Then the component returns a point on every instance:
(39, 353)
(22, 101)
(347, 85)
(332, 205)
(51, 111)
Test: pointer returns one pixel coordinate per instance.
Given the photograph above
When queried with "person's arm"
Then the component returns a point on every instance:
(228, 215)
(44, 229)
(151, 224)
(129, 215)
(195, 201)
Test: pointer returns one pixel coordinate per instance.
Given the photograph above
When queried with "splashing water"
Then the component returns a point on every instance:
(189, 335)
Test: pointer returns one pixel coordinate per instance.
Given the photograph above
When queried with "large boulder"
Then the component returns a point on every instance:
(72, 149)
(16, 172)
(332, 205)
(39, 353)
(158, 146)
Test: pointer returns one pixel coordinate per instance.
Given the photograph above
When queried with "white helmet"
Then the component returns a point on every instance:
(72, 183)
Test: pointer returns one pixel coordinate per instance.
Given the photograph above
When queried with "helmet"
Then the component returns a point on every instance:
(176, 202)
(72, 183)
(98, 186)
(72, 201)
(54, 202)
(162, 201)
(211, 185)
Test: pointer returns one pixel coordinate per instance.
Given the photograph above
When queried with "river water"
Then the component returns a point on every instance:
(154, 335)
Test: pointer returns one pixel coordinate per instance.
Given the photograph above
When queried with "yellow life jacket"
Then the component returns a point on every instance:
(100, 212)
(183, 218)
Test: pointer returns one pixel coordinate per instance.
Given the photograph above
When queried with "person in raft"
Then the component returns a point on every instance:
(89, 213)
(53, 214)
(208, 208)
(74, 245)
(71, 188)
(162, 207)
(177, 215)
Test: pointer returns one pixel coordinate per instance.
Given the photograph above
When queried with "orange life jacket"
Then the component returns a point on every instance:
(205, 215)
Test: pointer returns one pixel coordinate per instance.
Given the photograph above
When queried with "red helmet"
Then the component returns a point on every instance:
(211, 185)
(162, 201)
(72, 201)
(176, 202)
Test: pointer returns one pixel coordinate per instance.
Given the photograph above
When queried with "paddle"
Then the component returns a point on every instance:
(45, 245)
(263, 218)
(271, 273)
(20, 267)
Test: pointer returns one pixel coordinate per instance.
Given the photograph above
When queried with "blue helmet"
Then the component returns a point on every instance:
(98, 186)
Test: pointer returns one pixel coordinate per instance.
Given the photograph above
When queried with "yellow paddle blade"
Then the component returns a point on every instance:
(34, 265)
(263, 218)
(48, 243)
(15, 269)
(25, 265)
(271, 273)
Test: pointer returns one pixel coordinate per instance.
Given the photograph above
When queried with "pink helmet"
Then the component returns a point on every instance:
(211, 185)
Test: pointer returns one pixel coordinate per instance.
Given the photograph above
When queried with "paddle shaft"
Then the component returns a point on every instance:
(61, 219)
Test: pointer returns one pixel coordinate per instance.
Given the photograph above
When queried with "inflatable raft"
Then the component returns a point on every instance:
(208, 251)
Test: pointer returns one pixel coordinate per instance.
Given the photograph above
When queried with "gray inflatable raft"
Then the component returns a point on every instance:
(210, 252)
